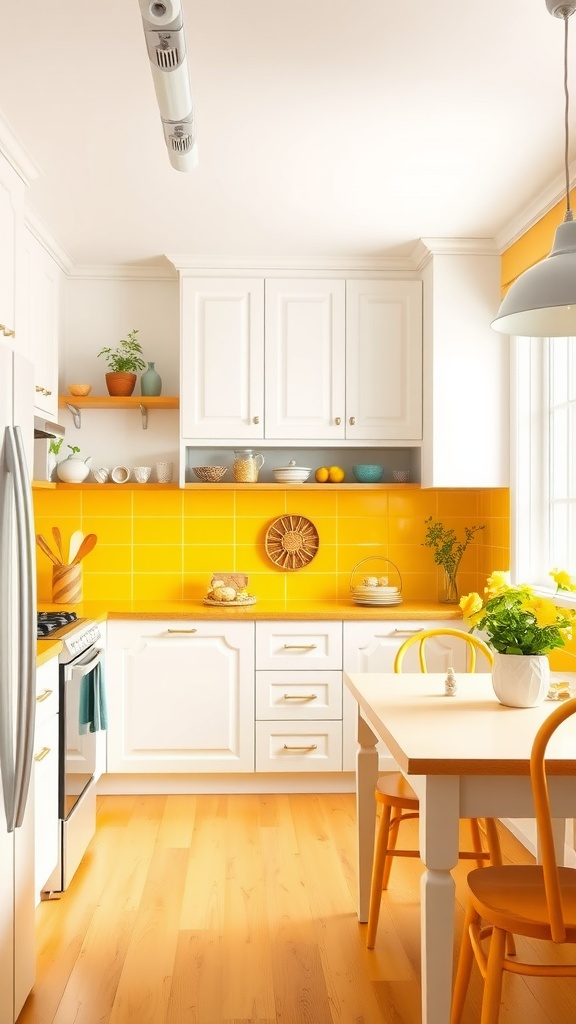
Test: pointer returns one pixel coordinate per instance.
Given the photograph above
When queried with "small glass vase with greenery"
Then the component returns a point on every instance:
(448, 551)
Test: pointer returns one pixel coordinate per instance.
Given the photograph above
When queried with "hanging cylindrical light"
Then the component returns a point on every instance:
(542, 301)
(164, 33)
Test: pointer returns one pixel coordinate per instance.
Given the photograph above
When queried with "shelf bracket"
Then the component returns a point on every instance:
(144, 412)
(75, 414)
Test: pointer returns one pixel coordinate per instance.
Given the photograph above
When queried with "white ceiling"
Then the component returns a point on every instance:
(326, 128)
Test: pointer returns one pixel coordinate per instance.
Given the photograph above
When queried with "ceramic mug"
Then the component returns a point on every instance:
(142, 473)
(164, 472)
(101, 474)
(120, 474)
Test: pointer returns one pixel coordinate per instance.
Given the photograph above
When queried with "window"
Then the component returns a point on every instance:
(544, 458)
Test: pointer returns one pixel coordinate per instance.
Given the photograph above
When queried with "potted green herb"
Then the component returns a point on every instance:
(448, 551)
(123, 363)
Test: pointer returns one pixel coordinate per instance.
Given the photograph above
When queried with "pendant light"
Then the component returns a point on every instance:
(542, 301)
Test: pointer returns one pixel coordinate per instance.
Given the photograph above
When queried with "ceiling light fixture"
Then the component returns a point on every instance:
(164, 33)
(542, 301)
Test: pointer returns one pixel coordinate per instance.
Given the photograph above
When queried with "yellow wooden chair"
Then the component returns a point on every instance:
(399, 802)
(538, 901)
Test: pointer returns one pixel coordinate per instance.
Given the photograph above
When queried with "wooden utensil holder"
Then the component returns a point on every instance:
(66, 584)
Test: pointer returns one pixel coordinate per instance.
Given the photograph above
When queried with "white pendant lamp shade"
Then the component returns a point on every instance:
(542, 302)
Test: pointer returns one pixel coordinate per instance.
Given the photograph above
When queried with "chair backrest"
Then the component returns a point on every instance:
(543, 817)
(473, 644)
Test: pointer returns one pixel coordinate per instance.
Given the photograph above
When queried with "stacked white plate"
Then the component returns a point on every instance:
(376, 595)
(291, 474)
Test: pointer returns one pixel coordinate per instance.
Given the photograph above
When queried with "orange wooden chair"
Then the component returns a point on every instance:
(538, 901)
(399, 802)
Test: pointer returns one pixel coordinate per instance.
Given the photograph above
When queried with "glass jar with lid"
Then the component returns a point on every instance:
(246, 465)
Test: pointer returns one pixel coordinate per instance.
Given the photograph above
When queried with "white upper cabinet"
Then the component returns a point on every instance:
(311, 359)
(42, 283)
(222, 378)
(305, 387)
(12, 190)
(384, 360)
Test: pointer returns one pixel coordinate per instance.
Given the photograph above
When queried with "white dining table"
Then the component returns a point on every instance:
(466, 756)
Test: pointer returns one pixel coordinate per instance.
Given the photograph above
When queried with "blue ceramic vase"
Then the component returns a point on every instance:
(151, 382)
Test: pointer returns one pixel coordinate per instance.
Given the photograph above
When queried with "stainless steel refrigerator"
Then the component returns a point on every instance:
(17, 683)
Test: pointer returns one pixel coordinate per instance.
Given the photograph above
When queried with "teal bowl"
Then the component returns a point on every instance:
(367, 474)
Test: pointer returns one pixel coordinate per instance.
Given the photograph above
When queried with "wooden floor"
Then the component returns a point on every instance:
(242, 910)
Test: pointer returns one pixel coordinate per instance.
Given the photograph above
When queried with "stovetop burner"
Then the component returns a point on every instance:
(48, 622)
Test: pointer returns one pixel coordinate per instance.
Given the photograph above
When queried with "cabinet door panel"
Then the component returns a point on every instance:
(372, 647)
(182, 697)
(305, 386)
(46, 823)
(222, 380)
(384, 360)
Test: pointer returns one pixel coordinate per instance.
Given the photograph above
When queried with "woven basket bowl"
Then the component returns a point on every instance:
(210, 474)
(80, 390)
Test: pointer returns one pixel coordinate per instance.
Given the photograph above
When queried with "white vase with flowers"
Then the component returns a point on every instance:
(521, 628)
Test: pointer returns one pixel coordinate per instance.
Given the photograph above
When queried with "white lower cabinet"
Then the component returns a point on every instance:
(45, 779)
(298, 696)
(372, 647)
(180, 696)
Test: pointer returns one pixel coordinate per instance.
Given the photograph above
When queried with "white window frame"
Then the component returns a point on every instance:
(530, 462)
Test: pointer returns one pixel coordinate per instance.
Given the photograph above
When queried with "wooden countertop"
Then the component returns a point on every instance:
(270, 610)
(46, 650)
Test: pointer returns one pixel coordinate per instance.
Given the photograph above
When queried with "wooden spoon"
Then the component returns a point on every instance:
(58, 538)
(85, 548)
(75, 542)
(43, 545)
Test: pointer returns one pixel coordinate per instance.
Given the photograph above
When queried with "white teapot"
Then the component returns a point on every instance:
(74, 469)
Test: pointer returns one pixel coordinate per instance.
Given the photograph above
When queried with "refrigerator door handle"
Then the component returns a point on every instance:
(26, 706)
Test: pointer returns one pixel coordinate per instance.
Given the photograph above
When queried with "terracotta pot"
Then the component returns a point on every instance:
(120, 383)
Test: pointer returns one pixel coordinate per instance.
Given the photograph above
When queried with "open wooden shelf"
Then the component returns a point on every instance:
(131, 402)
(353, 486)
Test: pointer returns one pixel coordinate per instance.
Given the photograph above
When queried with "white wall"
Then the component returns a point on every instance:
(99, 313)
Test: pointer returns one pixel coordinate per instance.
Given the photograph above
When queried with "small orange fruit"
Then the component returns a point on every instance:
(336, 474)
(322, 474)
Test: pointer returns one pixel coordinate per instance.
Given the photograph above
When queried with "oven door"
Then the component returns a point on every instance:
(77, 742)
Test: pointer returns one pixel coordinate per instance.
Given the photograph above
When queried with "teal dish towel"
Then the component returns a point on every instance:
(93, 712)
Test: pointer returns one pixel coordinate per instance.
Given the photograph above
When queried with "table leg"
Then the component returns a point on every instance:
(439, 814)
(366, 775)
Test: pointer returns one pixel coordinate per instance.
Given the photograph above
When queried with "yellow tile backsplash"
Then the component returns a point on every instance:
(165, 545)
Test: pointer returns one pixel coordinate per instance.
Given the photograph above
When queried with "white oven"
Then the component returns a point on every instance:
(82, 714)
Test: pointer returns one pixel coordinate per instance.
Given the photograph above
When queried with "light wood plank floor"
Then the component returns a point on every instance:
(242, 910)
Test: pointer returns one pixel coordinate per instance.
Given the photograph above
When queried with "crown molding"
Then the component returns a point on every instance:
(255, 265)
(15, 153)
(537, 208)
(426, 248)
(129, 272)
(43, 235)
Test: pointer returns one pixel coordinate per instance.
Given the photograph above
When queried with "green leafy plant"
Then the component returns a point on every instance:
(514, 620)
(126, 357)
(73, 450)
(448, 550)
(55, 445)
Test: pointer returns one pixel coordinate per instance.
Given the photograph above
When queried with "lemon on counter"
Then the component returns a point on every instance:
(322, 474)
(336, 474)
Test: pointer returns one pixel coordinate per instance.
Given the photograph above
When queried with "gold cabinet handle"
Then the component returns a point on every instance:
(42, 754)
(46, 391)
(352, 421)
(7, 331)
(256, 420)
(181, 630)
(44, 695)
(38, 388)
(338, 421)
(300, 696)
(311, 746)
(300, 647)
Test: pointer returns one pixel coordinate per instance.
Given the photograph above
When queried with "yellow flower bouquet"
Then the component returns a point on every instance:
(514, 620)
